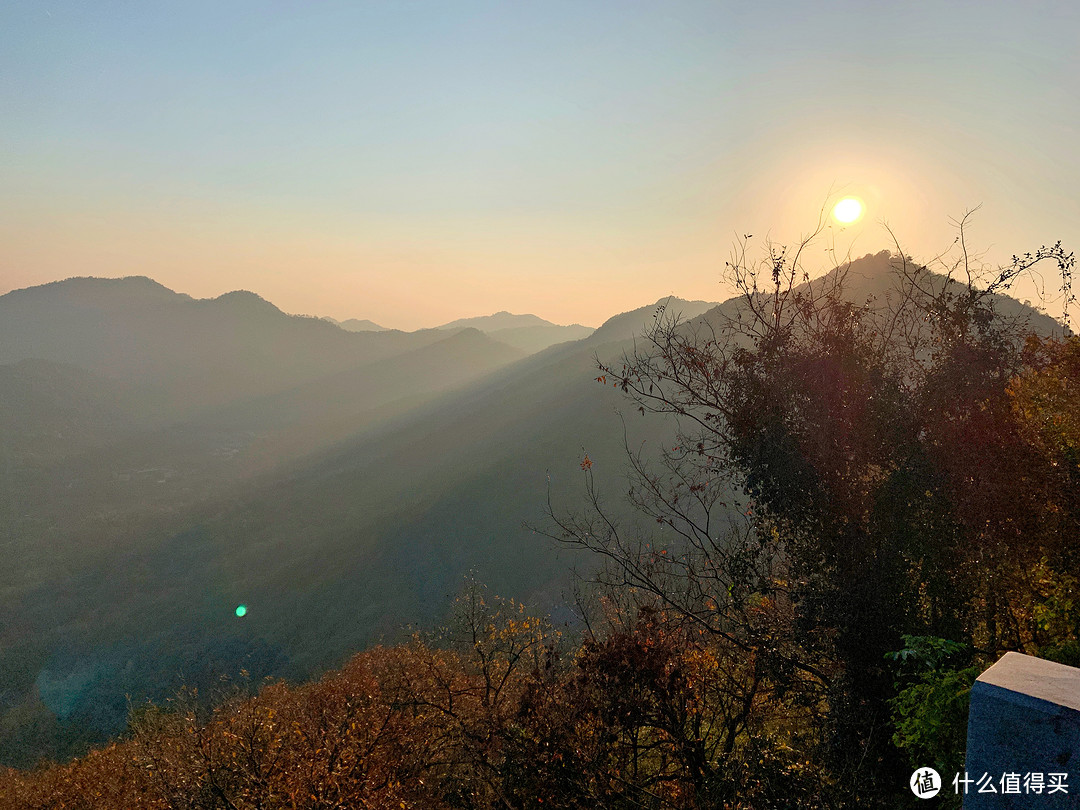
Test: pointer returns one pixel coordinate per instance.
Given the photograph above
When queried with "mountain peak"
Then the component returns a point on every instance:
(245, 301)
(629, 324)
(95, 291)
(358, 325)
(499, 320)
(875, 264)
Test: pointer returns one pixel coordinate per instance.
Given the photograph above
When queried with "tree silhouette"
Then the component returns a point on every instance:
(884, 486)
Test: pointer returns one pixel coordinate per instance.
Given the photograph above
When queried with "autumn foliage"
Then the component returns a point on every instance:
(496, 712)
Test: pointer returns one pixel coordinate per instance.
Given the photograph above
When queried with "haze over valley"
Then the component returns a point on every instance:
(167, 458)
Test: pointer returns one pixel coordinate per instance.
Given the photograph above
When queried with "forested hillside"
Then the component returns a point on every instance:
(340, 508)
(868, 492)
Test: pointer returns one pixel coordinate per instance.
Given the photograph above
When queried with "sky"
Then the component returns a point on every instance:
(417, 162)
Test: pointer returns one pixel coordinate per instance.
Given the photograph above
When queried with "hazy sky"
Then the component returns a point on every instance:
(415, 162)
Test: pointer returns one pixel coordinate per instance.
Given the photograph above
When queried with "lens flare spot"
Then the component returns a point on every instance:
(848, 210)
(241, 611)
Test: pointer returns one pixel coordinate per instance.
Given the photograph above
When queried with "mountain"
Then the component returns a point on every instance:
(175, 355)
(500, 320)
(529, 333)
(629, 325)
(157, 424)
(358, 325)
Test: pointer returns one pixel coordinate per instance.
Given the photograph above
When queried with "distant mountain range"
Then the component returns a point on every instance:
(164, 459)
(528, 333)
(500, 320)
(177, 354)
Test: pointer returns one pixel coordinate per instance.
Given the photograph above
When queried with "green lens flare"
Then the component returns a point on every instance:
(241, 610)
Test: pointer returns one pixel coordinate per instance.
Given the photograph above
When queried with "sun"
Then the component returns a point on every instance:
(848, 210)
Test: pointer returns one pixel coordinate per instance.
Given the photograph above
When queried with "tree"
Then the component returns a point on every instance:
(864, 434)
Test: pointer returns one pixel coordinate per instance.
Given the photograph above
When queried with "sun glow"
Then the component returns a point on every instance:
(848, 210)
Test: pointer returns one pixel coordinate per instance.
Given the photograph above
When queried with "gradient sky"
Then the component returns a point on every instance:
(416, 162)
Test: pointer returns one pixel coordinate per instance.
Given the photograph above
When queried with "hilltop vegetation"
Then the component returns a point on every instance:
(499, 712)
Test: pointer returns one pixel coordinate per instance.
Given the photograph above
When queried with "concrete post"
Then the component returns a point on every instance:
(1024, 734)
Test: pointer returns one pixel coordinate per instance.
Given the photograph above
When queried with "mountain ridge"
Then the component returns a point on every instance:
(498, 320)
(359, 325)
